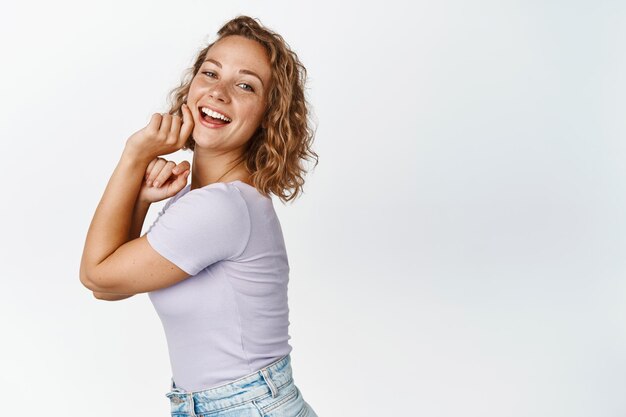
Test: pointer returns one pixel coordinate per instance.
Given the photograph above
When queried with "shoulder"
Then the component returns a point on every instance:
(203, 226)
(217, 196)
(217, 207)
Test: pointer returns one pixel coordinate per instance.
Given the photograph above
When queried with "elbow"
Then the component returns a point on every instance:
(89, 283)
(101, 296)
(97, 290)
(110, 297)
(85, 280)
(82, 273)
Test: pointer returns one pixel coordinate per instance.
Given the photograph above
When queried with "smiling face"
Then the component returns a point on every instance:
(231, 86)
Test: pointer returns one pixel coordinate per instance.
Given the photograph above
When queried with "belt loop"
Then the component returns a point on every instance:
(269, 382)
(192, 405)
(187, 397)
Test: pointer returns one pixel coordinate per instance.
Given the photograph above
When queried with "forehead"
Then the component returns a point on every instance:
(241, 53)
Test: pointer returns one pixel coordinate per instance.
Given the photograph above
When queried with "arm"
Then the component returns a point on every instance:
(117, 217)
(105, 296)
(139, 216)
(111, 263)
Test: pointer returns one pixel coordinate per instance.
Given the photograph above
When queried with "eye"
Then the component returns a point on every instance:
(209, 73)
(246, 87)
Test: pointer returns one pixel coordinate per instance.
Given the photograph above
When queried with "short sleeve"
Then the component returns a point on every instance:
(204, 226)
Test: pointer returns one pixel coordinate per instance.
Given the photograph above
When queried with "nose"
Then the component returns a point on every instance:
(219, 93)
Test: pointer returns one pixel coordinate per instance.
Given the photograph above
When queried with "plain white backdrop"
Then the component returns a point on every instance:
(459, 249)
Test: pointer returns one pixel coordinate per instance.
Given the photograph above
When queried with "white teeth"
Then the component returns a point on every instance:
(214, 114)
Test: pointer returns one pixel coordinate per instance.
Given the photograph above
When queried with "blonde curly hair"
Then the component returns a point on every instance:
(275, 154)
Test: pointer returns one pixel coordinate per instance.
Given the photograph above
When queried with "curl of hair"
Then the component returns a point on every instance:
(275, 154)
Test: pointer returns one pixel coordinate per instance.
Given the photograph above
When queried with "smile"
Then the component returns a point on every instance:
(211, 125)
(212, 118)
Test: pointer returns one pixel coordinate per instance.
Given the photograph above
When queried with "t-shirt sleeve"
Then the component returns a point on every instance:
(204, 226)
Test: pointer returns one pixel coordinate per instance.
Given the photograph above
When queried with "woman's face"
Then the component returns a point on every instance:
(233, 81)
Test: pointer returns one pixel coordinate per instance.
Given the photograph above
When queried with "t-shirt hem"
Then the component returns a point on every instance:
(165, 251)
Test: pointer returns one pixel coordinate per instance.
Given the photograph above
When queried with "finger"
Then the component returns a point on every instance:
(149, 169)
(175, 129)
(156, 169)
(166, 125)
(188, 124)
(181, 167)
(155, 122)
(165, 174)
(179, 183)
(183, 178)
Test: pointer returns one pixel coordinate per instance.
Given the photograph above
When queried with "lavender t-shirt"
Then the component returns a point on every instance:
(231, 317)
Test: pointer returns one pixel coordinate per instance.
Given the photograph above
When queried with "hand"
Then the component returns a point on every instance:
(163, 179)
(162, 136)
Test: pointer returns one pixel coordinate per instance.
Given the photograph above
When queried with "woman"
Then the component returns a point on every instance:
(214, 262)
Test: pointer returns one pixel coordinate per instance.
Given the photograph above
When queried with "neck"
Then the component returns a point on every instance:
(209, 169)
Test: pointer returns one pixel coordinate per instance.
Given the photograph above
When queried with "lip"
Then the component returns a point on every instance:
(211, 125)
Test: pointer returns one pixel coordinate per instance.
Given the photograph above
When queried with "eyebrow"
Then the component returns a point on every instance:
(241, 71)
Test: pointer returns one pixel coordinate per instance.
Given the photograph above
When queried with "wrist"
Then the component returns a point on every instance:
(142, 203)
(134, 158)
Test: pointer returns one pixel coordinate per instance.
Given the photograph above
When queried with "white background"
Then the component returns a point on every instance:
(459, 249)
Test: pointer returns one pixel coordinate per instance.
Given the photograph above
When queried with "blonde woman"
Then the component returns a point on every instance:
(214, 262)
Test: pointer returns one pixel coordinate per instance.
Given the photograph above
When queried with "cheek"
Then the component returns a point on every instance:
(255, 112)
(261, 108)
(194, 88)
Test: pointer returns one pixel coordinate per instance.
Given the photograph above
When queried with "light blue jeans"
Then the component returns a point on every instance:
(268, 392)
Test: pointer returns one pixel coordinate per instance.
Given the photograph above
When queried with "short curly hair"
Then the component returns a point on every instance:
(275, 153)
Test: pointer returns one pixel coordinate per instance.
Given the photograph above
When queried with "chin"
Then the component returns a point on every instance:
(203, 143)
(204, 135)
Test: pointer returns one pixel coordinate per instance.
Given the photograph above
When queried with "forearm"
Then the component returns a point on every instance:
(110, 227)
(139, 216)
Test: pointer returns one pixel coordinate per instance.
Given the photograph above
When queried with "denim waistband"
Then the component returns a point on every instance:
(267, 380)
